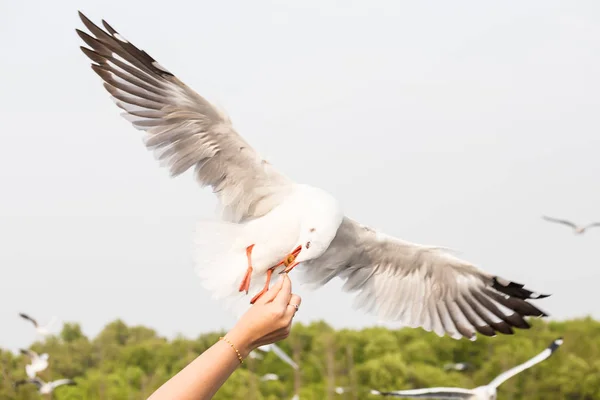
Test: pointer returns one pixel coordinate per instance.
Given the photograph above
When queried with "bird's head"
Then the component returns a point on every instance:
(320, 221)
(44, 356)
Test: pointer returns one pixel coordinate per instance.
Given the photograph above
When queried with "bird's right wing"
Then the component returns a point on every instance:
(421, 286)
(527, 364)
(61, 382)
(27, 317)
(183, 128)
(281, 354)
(431, 393)
(592, 225)
(560, 221)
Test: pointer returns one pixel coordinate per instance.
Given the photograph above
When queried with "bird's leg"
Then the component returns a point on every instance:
(288, 261)
(245, 285)
(264, 290)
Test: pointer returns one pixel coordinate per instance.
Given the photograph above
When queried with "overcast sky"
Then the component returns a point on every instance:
(450, 123)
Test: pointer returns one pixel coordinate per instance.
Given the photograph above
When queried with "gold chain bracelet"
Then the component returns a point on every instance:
(234, 348)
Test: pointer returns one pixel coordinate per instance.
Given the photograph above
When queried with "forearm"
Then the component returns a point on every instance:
(201, 379)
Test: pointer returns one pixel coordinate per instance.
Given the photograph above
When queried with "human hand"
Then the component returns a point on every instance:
(269, 320)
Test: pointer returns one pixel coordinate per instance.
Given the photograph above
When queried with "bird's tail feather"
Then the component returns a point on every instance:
(221, 263)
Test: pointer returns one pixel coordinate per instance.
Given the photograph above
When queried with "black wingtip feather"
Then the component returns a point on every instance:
(515, 289)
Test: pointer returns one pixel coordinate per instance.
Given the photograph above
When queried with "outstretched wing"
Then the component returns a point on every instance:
(27, 317)
(61, 382)
(431, 393)
(560, 221)
(183, 128)
(280, 353)
(527, 364)
(421, 286)
(29, 353)
(592, 225)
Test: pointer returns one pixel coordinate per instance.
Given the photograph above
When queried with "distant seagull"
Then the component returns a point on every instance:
(46, 387)
(487, 392)
(280, 353)
(38, 362)
(461, 366)
(270, 223)
(296, 397)
(41, 330)
(341, 390)
(269, 377)
(577, 229)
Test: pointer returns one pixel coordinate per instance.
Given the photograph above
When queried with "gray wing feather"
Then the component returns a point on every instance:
(560, 221)
(183, 128)
(431, 393)
(61, 382)
(420, 286)
(592, 225)
(527, 364)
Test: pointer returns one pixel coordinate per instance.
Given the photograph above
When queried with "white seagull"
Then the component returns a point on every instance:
(461, 366)
(269, 377)
(341, 390)
(271, 223)
(278, 352)
(37, 364)
(577, 229)
(43, 330)
(46, 387)
(487, 392)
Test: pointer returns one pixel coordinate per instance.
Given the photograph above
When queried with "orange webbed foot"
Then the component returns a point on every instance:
(245, 285)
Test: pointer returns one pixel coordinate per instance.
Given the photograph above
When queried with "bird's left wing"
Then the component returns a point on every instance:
(430, 393)
(527, 364)
(29, 353)
(27, 317)
(421, 286)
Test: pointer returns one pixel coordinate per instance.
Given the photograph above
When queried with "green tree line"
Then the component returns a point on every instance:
(129, 362)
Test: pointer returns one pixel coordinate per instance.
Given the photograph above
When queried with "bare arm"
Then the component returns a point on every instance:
(267, 321)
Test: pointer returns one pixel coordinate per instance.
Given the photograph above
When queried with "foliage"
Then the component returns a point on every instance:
(130, 362)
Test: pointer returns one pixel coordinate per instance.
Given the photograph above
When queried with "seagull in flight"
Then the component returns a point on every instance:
(41, 330)
(461, 366)
(341, 390)
(269, 223)
(269, 377)
(46, 387)
(487, 392)
(37, 364)
(577, 229)
(278, 352)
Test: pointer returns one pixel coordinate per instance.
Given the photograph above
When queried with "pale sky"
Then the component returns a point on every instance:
(447, 123)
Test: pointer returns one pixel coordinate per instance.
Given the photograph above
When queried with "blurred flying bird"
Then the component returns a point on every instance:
(38, 363)
(46, 387)
(577, 229)
(40, 330)
(270, 223)
(461, 366)
(278, 352)
(487, 392)
(269, 377)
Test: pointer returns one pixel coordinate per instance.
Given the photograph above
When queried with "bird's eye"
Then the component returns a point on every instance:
(307, 245)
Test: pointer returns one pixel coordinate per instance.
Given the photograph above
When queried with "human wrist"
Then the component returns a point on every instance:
(241, 341)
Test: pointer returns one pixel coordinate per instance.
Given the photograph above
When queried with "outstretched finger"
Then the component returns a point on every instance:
(284, 295)
(271, 293)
